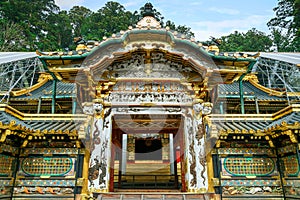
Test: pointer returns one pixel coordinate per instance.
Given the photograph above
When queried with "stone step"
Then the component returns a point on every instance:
(146, 173)
(146, 196)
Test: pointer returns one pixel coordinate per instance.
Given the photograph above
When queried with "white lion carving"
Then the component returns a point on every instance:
(98, 107)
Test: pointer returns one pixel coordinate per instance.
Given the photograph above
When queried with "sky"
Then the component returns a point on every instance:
(205, 17)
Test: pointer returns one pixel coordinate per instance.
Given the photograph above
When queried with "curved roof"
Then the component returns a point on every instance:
(289, 57)
(257, 123)
(290, 119)
(148, 37)
(6, 57)
(250, 92)
(39, 124)
(63, 90)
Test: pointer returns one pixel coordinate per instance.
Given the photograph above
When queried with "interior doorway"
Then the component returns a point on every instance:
(148, 149)
(146, 160)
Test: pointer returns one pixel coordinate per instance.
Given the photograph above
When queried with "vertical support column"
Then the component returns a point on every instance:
(111, 170)
(85, 172)
(221, 107)
(100, 146)
(123, 159)
(182, 161)
(74, 104)
(119, 150)
(256, 106)
(281, 173)
(210, 172)
(39, 105)
(172, 160)
(53, 96)
(124, 154)
(15, 165)
(298, 152)
(241, 96)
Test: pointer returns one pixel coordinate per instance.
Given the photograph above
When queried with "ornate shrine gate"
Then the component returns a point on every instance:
(140, 108)
(147, 93)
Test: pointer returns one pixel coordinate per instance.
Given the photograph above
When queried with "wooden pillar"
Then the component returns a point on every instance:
(256, 106)
(39, 105)
(120, 151)
(298, 152)
(74, 103)
(182, 161)
(241, 89)
(111, 168)
(53, 96)
(124, 153)
(221, 107)
(85, 172)
(123, 158)
(172, 160)
(175, 165)
(210, 172)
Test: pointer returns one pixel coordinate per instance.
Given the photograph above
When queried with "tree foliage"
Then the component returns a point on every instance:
(44, 26)
(285, 25)
(109, 19)
(12, 37)
(78, 16)
(28, 25)
(31, 15)
(181, 29)
(251, 41)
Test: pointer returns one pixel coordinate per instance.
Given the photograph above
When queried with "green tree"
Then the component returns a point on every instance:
(287, 23)
(32, 15)
(185, 30)
(59, 34)
(232, 42)
(78, 15)
(45, 27)
(171, 25)
(110, 19)
(12, 37)
(281, 41)
(253, 40)
(181, 29)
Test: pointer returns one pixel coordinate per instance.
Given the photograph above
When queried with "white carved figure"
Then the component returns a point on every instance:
(197, 108)
(98, 107)
(87, 109)
(207, 108)
(202, 108)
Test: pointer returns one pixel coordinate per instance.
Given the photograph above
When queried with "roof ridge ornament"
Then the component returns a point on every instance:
(148, 19)
(148, 22)
(148, 10)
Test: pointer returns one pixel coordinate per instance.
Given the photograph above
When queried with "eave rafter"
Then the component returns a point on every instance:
(267, 126)
(43, 78)
(38, 126)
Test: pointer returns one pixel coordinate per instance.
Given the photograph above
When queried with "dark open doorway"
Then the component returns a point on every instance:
(148, 149)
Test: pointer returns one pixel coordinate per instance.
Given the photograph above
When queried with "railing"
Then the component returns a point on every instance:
(147, 181)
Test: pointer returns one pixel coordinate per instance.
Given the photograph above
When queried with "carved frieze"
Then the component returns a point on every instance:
(158, 67)
(147, 97)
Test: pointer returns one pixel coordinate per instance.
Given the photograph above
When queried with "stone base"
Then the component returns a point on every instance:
(156, 196)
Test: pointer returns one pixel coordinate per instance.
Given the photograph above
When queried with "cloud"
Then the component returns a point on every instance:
(204, 29)
(67, 4)
(129, 4)
(227, 11)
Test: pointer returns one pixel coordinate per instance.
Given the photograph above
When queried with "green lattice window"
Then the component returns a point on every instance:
(248, 166)
(47, 166)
